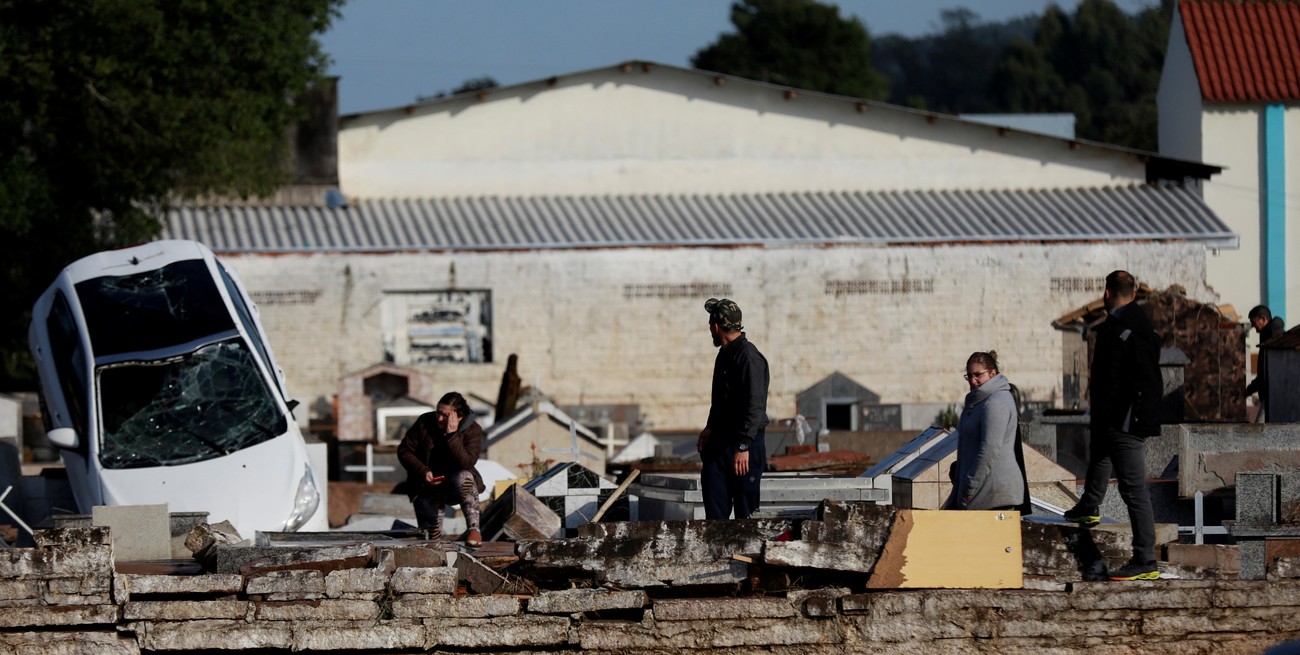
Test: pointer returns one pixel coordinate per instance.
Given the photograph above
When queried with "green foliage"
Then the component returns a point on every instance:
(799, 43)
(112, 110)
(1101, 64)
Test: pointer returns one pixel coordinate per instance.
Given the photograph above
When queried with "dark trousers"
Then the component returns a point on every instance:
(1124, 454)
(725, 492)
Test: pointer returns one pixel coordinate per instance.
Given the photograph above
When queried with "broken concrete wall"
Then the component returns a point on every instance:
(65, 596)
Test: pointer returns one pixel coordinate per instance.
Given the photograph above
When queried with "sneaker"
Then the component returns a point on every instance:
(1135, 570)
(1085, 516)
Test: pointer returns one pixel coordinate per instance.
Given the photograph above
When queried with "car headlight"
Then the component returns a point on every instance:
(305, 501)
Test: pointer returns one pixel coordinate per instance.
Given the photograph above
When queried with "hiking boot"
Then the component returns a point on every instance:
(1135, 570)
(473, 538)
(1084, 516)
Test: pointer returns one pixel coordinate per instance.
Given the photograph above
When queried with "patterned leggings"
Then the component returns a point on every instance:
(428, 509)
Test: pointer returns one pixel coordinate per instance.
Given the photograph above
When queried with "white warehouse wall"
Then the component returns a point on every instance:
(584, 338)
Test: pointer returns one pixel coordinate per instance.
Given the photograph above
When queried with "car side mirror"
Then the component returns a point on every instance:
(63, 437)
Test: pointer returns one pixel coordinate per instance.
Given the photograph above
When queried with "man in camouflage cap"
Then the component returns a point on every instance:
(731, 445)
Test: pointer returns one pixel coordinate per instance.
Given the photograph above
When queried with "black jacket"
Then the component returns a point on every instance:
(426, 448)
(1125, 387)
(738, 412)
(1274, 329)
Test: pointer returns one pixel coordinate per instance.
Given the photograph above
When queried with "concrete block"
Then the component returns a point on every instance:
(817, 603)
(412, 580)
(1205, 560)
(80, 590)
(1256, 498)
(847, 536)
(140, 532)
(340, 584)
(1284, 568)
(384, 637)
(318, 610)
(1289, 497)
(69, 642)
(175, 585)
(657, 553)
(499, 632)
(701, 609)
(1211, 454)
(286, 582)
(186, 610)
(83, 536)
(426, 606)
(323, 559)
(574, 601)
(65, 615)
(416, 556)
(521, 516)
(206, 635)
(1253, 565)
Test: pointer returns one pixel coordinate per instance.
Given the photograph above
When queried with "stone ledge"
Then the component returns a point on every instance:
(572, 601)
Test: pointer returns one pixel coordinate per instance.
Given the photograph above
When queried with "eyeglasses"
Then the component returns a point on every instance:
(976, 375)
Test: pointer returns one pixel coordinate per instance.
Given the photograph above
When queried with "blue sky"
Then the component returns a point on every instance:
(388, 52)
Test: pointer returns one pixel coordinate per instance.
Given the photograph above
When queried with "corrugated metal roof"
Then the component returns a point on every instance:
(1244, 51)
(1137, 212)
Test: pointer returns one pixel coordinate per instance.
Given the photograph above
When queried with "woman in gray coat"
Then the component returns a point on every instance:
(987, 473)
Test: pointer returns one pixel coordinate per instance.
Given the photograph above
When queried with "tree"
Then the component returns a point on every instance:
(1101, 64)
(799, 43)
(112, 110)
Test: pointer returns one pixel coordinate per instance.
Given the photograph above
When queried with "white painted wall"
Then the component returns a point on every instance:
(1233, 136)
(577, 335)
(672, 131)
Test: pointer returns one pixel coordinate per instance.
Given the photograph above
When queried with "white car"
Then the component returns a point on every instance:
(159, 387)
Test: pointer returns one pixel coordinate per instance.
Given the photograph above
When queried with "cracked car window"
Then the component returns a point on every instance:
(169, 306)
(206, 404)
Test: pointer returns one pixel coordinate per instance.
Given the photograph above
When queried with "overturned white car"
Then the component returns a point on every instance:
(159, 387)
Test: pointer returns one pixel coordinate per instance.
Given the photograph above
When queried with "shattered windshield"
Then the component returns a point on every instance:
(206, 404)
(153, 309)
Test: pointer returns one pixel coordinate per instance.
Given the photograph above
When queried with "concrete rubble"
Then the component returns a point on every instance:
(784, 586)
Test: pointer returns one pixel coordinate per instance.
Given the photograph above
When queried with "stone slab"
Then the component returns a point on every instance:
(140, 532)
(63, 537)
(210, 584)
(320, 558)
(422, 580)
(206, 635)
(60, 615)
(318, 610)
(500, 632)
(573, 601)
(186, 610)
(421, 606)
(846, 536)
(286, 582)
(1211, 454)
(354, 581)
(383, 637)
(702, 609)
(1256, 498)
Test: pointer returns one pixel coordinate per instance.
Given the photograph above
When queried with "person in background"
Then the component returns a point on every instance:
(1269, 327)
(988, 475)
(731, 445)
(439, 452)
(1125, 391)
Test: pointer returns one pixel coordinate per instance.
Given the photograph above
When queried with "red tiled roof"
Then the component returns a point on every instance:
(1244, 51)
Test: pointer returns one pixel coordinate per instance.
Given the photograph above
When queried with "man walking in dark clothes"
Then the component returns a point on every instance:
(1269, 327)
(1125, 392)
(731, 444)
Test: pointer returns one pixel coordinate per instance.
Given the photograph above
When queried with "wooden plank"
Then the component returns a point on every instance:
(614, 496)
(951, 550)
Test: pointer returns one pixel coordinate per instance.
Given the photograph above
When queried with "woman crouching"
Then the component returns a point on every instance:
(439, 453)
(987, 473)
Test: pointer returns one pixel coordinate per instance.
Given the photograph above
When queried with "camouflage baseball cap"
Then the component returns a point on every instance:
(726, 313)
